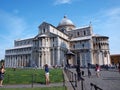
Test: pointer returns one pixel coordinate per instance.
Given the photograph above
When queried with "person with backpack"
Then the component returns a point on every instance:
(78, 72)
(47, 74)
(97, 69)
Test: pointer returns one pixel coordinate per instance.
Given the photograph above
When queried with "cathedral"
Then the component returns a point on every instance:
(60, 45)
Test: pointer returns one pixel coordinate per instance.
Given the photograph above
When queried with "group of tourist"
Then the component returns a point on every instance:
(81, 73)
(97, 70)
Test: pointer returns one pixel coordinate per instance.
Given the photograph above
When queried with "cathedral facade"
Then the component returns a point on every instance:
(61, 45)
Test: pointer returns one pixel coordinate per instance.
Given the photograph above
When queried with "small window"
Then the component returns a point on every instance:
(71, 35)
(78, 33)
(84, 33)
(53, 39)
(83, 45)
(63, 30)
(73, 46)
(44, 30)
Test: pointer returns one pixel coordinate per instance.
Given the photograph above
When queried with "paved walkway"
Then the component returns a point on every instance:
(30, 85)
(108, 80)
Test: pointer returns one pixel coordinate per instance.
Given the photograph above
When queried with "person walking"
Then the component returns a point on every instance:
(78, 72)
(89, 72)
(2, 71)
(97, 69)
(47, 74)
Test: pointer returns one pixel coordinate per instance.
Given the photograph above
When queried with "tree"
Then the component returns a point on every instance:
(2, 61)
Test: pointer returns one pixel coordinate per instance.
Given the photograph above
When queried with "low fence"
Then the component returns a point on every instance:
(73, 78)
(34, 79)
(95, 87)
(24, 79)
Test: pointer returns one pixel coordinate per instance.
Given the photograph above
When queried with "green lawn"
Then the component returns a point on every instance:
(27, 76)
(45, 88)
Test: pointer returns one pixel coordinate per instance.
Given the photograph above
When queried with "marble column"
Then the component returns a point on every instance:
(53, 56)
(38, 60)
(58, 56)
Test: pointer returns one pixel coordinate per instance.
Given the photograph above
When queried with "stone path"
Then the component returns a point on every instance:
(108, 80)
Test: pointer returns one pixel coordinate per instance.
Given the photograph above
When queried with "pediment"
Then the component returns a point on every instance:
(44, 24)
(49, 35)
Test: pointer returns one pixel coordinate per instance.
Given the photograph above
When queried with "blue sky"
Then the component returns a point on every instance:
(20, 19)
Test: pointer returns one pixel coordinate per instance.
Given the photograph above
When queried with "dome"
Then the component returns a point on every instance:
(65, 25)
(65, 21)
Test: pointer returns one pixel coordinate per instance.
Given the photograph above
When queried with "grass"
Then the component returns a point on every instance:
(44, 88)
(27, 76)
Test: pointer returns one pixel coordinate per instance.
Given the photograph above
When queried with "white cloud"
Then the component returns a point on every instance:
(107, 23)
(12, 28)
(13, 25)
(62, 2)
